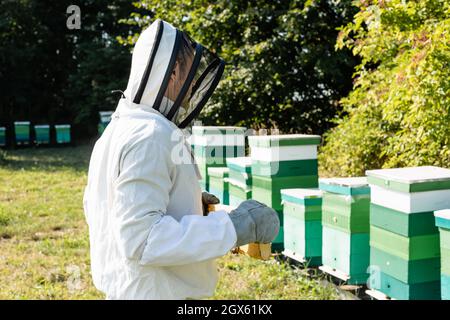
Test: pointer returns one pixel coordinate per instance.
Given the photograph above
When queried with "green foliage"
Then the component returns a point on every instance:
(283, 70)
(398, 113)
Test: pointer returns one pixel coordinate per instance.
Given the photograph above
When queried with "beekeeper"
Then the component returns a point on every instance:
(149, 238)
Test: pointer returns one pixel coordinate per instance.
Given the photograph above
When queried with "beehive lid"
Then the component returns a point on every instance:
(219, 172)
(302, 196)
(348, 186)
(22, 123)
(242, 164)
(283, 140)
(413, 179)
(42, 126)
(105, 116)
(442, 218)
(208, 130)
(2, 129)
(62, 126)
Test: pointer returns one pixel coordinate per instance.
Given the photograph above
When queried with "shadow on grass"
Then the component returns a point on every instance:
(49, 158)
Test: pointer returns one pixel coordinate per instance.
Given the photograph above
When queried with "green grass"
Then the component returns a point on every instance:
(44, 247)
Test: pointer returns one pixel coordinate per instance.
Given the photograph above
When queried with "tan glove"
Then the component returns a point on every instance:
(208, 199)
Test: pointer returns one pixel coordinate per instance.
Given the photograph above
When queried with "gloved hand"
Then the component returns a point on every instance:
(207, 199)
(255, 222)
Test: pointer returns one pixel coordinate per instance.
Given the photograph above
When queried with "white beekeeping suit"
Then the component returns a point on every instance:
(148, 236)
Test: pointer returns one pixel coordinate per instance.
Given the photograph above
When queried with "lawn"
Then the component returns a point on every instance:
(44, 247)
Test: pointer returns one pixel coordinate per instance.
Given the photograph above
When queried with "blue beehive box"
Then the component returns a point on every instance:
(443, 223)
(345, 221)
(22, 130)
(63, 133)
(42, 134)
(105, 119)
(302, 214)
(2, 136)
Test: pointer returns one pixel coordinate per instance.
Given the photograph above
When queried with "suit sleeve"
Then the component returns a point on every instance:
(142, 227)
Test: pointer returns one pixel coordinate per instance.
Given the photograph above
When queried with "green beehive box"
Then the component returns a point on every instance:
(22, 130)
(284, 155)
(244, 178)
(411, 190)
(213, 145)
(407, 271)
(62, 133)
(308, 167)
(407, 248)
(267, 190)
(42, 133)
(404, 241)
(408, 225)
(218, 183)
(212, 131)
(203, 169)
(346, 203)
(348, 213)
(286, 140)
(412, 179)
(238, 192)
(217, 154)
(105, 119)
(307, 213)
(2, 136)
(397, 289)
(277, 183)
(240, 169)
(346, 253)
(302, 225)
(240, 164)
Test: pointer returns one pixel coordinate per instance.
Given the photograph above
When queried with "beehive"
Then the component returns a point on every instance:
(2, 136)
(240, 179)
(443, 222)
(62, 133)
(345, 221)
(218, 183)
(302, 214)
(22, 130)
(105, 119)
(281, 162)
(42, 134)
(213, 145)
(405, 253)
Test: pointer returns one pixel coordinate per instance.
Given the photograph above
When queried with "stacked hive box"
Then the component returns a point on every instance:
(22, 130)
(240, 179)
(218, 183)
(302, 214)
(405, 255)
(282, 162)
(42, 134)
(105, 119)
(345, 221)
(443, 222)
(213, 145)
(62, 133)
(2, 136)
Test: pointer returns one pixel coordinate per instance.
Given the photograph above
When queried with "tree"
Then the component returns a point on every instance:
(283, 70)
(398, 113)
(51, 74)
